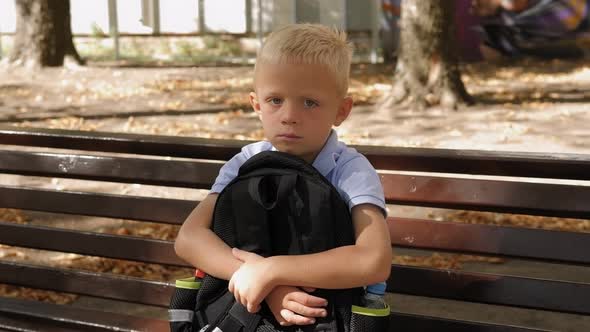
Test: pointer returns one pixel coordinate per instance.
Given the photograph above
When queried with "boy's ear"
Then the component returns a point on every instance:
(343, 110)
(254, 102)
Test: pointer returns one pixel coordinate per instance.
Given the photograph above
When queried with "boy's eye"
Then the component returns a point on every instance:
(308, 103)
(276, 101)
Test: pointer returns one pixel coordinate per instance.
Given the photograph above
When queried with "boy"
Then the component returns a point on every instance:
(301, 81)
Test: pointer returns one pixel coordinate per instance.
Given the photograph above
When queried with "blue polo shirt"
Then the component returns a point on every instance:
(349, 171)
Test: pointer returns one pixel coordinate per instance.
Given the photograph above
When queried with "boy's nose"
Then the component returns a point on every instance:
(289, 115)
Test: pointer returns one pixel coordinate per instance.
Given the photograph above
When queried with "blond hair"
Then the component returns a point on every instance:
(306, 43)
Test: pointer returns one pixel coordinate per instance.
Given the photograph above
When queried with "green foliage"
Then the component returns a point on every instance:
(162, 50)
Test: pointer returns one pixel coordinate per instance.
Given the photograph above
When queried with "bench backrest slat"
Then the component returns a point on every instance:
(533, 293)
(82, 319)
(488, 195)
(174, 146)
(571, 247)
(554, 165)
(88, 243)
(164, 210)
(177, 173)
(502, 163)
(494, 240)
(104, 285)
(420, 190)
(458, 285)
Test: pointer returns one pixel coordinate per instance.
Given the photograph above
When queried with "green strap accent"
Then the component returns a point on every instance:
(371, 311)
(188, 283)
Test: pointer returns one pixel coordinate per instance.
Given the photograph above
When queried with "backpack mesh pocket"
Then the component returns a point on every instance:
(182, 304)
(368, 319)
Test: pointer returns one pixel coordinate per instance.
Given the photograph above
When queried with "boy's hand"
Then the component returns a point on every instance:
(252, 282)
(293, 306)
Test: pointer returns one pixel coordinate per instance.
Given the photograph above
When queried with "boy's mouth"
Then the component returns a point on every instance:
(289, 136)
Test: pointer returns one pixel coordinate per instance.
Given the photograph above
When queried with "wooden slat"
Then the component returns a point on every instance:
(411, 322)
(52, 313)
(445, 192)
(88, 243)
(569, 297)
(494, 240)
(530, 243)
(488, 195)
(164, 210)
(175, 146)
(25, 323)
(554, 165)
(505, 163)
(101, 285)
(191, 174)
(79, 319)
(540, 244)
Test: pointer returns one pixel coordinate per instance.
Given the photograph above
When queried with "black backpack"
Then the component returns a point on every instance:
(277, 205)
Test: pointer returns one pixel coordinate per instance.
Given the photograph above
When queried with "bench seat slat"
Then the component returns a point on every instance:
(164, 210)
(174, 173)
(554, 165)
(568, 297)
(571, 247)
(26, 323)
(89, 243)
(104, 285)
(412, 322)
(488, 195)
(79, 318)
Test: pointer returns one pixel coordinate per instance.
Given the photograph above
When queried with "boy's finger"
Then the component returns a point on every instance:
(309, 289)
(293, 318)
(239, 254)
(253, 309)
(230, 285)
(306, 311)
(308, 300)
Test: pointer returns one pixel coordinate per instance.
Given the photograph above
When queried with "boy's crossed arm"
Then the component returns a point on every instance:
(252, 278)
(367, 262)
(290, 305)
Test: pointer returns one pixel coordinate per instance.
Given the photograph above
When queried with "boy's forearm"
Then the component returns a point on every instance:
(207, 252)
(367, 262)
(343, 267)
(200, 247)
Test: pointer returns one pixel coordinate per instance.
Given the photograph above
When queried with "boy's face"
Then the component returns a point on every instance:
(298, 104)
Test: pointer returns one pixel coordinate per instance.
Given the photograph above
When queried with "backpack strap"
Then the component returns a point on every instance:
(235, 319)
(246, 319)
(268, 200)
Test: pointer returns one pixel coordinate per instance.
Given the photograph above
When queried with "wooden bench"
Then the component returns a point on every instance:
(194, 163)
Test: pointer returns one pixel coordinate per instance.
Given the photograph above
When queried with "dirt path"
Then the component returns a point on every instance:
(531, 106)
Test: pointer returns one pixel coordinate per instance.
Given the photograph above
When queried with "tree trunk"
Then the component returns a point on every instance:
(427, 72)
(43, 34)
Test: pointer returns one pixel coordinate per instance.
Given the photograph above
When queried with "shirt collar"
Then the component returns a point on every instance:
(325, 161)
